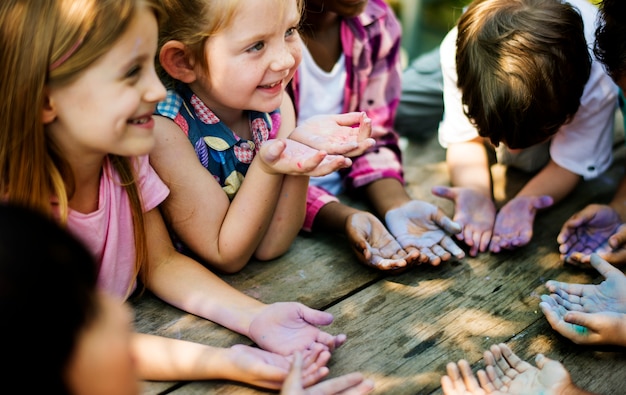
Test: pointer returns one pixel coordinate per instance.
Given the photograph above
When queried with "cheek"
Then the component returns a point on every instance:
(296, 52)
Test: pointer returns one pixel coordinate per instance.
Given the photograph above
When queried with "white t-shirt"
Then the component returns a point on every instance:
(321, 92)
(582, 146)
(108, 231)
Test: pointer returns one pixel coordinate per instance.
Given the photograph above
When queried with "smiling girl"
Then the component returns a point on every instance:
(227, 64)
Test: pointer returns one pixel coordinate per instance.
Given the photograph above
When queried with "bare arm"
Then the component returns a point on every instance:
(469, 166)
(290, 207)
(553, 180)
(282, 327)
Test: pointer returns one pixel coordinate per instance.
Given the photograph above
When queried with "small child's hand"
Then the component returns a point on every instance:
(585, 328)
(596, 228)
(284, 156)
(475, 213)
(514, 222)
(375, 246)
(421, 225)
(268, 370)
(286, 327)
(336, 134)
(352, 383)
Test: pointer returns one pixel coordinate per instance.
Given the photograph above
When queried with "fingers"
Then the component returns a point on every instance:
(618, 240)
(349, 384)
(451, 246)
(459, 380)
(477, 240)
(365, 127)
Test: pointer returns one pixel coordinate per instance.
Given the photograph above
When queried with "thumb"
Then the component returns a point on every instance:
(446, 223)
(316, 317)
(294, 378)
(581, 320)
(618, 239)
(603, 267)
(272, 149)
(543, 202)
(444, 192)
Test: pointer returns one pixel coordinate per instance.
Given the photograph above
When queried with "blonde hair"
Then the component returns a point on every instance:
(69, 35)
(192, 22)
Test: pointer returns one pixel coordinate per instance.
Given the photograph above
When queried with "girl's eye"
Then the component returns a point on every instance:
(290, 32)
(256, 47)
(133, 72)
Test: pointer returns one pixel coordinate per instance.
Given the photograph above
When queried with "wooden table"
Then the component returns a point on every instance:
(403, 329)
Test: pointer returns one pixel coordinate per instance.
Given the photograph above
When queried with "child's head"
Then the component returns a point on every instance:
(610, 45)
(522, 67)
(56, 324)
(233, 53)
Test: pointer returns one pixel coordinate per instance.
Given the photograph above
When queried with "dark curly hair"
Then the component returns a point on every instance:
(610, 45)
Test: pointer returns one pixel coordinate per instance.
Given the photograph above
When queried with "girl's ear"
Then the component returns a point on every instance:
(177, 61)
(48, 112)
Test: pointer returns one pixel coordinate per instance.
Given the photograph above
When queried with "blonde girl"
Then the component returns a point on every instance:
(226, 64)
(78, 91)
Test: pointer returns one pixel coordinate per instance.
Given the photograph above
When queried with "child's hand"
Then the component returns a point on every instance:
(375, 246)
(506, 373)
(585, 328)
(286, 327)
(475, 213)
(349, 384)
(269, 370)
(280, 156)
(514, 222)
(336, 134)
(609, 295)
(597, 228)
(421, 225)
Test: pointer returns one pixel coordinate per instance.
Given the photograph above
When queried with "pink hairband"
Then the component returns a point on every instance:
(66, 55)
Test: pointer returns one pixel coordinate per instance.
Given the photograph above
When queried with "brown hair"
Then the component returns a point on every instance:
(522, 67)
(69, 35)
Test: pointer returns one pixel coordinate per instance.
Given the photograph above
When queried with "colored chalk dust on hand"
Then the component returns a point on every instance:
(581, 329)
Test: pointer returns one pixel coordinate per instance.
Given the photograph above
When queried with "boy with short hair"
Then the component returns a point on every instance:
(520, 75)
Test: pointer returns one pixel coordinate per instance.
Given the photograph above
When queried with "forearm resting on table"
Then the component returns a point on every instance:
(164, 359)
(189, 286)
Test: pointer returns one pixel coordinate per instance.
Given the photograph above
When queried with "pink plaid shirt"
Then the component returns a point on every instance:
(371, 44)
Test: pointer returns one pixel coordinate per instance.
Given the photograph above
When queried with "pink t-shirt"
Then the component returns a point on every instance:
(108, 231)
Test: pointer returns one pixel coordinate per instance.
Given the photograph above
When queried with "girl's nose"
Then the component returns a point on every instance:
(155, 91)
(283, 59)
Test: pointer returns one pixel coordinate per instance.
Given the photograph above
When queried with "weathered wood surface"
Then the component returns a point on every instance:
(403, 329)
